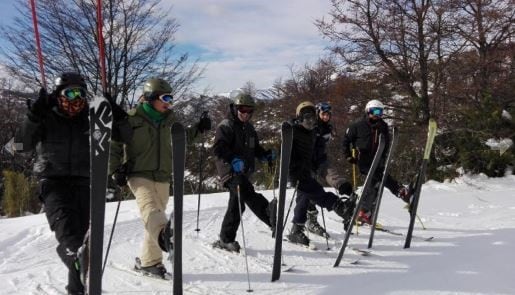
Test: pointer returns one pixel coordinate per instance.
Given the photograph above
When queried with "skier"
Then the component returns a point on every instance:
(301, 169)
(57, 126)
(322, 170)
(144, 163)
(236, 145)
(363, 134)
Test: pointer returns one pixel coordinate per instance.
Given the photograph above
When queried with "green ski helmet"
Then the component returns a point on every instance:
(244, 99)
(154, 87)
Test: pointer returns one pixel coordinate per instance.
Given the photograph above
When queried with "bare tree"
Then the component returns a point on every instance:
(487, 26)
(138, 35)
(402, 38)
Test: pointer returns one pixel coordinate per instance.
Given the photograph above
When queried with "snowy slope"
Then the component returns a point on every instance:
(472, 220)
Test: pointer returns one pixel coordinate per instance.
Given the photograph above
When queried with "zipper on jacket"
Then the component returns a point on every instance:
(374, 142)
(70, 144)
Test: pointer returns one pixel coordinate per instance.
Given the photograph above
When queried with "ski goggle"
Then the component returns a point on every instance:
(376, 111)
(308, 116)
(166, 98)
(245, 110)
(72, 93)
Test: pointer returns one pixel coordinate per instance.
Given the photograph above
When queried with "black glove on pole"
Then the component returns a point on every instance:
(42, 105)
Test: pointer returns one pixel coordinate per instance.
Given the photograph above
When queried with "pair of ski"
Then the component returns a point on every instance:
(101, 120)
(368, 183)
(286, 147)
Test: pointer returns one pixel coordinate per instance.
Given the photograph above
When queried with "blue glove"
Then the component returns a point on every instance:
(237, 165)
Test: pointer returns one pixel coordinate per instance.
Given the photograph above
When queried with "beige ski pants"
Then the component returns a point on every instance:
(151, 198)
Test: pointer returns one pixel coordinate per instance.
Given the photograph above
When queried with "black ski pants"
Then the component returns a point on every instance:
(370, 196)
(256, 202)
(310, 190)
(67, 210)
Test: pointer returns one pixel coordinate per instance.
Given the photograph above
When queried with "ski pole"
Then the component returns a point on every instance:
(325, 228)
(111, 235)
(418, 217)
(38, 43)
(101, 52)
(243, 237)
(200, 179)
(291, 203)
(421, 223)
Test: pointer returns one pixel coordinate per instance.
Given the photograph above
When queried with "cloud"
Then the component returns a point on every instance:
(252, 40)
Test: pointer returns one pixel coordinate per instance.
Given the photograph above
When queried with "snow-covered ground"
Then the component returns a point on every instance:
(471, 219)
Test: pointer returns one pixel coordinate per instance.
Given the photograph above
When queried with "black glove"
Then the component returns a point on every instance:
(119, 178)
(119, 114)
(345, 189)
(113, 190)
(204, 124)
(42, 105)
(352, 160)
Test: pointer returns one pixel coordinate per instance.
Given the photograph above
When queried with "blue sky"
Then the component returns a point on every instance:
(241, 40)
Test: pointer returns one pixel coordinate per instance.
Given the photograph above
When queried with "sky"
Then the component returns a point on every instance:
(471, 220)
(240, 41)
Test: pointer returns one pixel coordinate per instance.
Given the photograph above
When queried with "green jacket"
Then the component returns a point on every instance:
(149, 151)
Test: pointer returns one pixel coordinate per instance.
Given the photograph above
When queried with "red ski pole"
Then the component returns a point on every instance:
(38, 42)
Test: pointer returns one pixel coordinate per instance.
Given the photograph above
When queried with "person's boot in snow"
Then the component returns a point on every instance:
(297, 235)
(313, 226)
(230, 246)
(364, 217)
(405, 194)
(165, 237)
(344, 207)
(158, 270)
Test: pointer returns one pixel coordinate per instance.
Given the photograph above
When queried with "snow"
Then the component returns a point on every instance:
(472, 220)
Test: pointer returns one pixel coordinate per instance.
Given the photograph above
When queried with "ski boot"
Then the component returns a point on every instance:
(344, 207)
(297, 235)
(364, 217)
(157, 270)
(405, 194)
(231, 246)
(82, 261)
(313, 226)
(165, 238)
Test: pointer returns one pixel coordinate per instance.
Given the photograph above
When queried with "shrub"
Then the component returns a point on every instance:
(18, 194)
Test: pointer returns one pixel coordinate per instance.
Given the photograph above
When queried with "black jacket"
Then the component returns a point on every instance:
(303, 149)
(61, 143)
(364, 136)
(323, 133)
(234, 138)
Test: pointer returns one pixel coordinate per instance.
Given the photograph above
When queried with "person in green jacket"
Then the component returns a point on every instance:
(144, 162)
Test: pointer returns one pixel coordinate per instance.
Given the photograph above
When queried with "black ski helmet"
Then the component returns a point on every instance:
(69, 78)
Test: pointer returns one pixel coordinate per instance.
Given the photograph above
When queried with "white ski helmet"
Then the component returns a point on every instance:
(374, 103)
